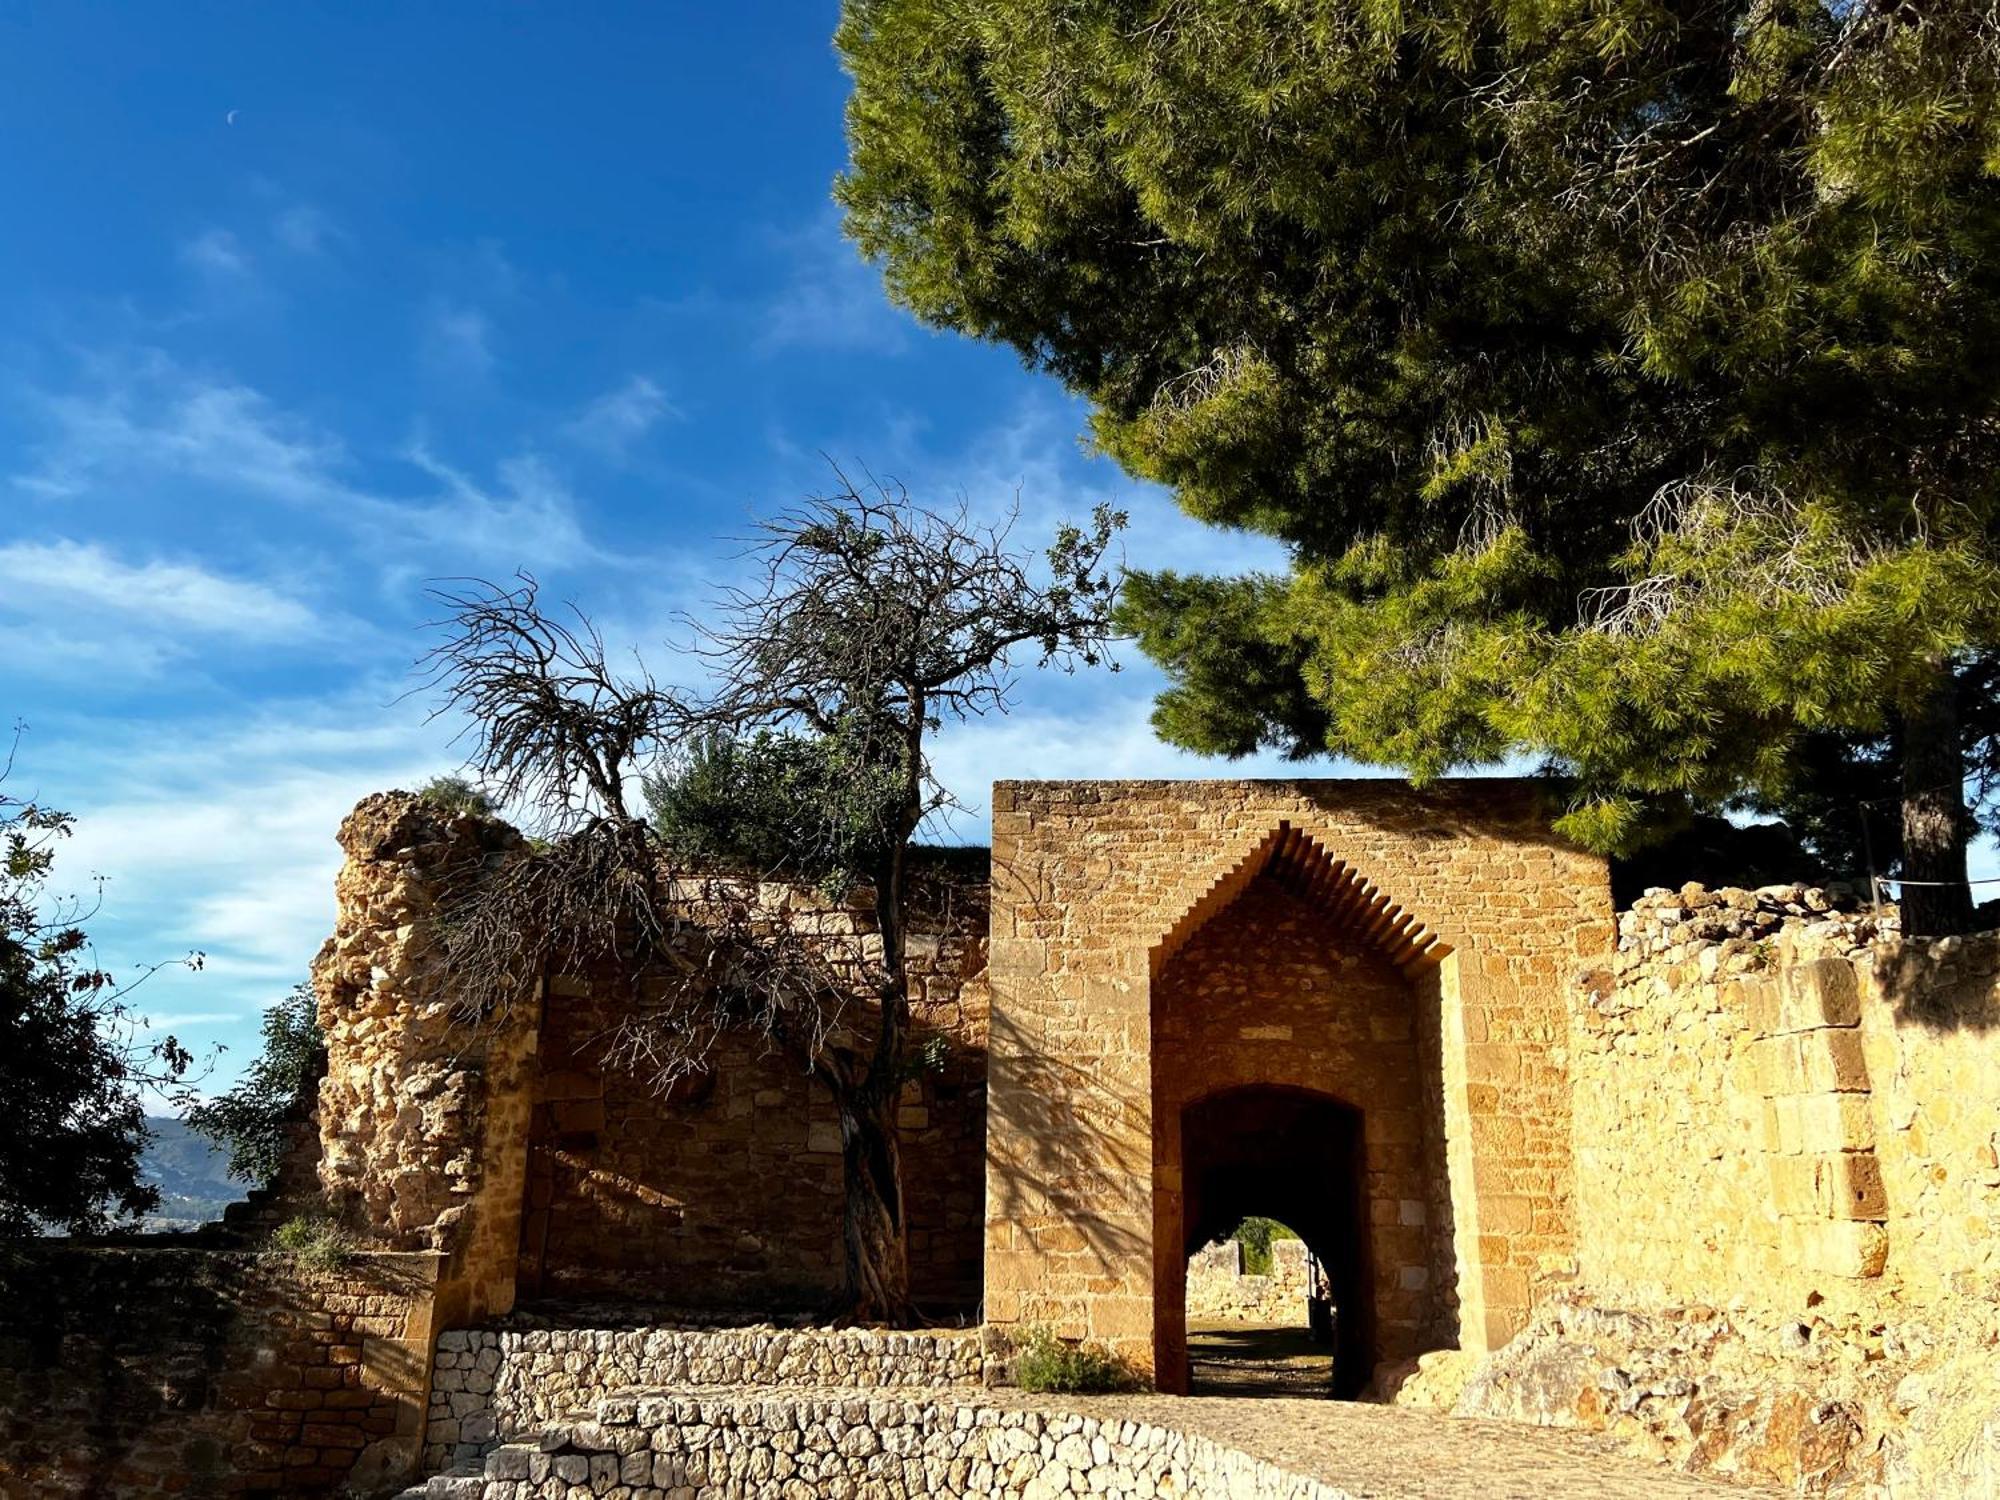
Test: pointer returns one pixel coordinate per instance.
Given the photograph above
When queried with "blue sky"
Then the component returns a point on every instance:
(462, 289)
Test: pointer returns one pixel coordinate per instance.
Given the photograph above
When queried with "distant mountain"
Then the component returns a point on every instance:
(190, 1172)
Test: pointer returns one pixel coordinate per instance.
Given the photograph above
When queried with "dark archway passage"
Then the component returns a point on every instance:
(1295, 1075)
(1294, 1155)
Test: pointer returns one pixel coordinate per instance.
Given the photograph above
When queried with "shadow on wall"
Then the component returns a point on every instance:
(1063, 1141)
(1942, 984)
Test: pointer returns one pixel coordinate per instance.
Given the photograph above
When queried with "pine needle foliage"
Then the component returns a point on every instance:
(1618, 375)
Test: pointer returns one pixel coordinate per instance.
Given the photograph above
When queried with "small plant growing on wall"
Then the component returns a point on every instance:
(314, 1241)
(1045, 1362)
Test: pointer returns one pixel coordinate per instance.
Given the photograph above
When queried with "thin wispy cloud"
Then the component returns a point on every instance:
(456, 342)
(147, 423)
(832, 299)
(67, 578)
(614, 422)
(217, 253)
(305, 230)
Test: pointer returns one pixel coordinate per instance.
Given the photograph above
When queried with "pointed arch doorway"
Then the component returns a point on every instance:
(1296, 1076)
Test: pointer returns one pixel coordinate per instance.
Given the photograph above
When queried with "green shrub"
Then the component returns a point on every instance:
(1044, 1362)
(314, 1241)
(457, 796)
(1255, 1235)
(255, 1121)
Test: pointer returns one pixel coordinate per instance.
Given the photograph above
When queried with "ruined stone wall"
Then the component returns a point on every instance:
(1220, 1290)
(1776, 1102)
(145, 1370)
(726, 1190)
(1788, 1202)
(513, 1147)
(1091, 878)
(423, 1117)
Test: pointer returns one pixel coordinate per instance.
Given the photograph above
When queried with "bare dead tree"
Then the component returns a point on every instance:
(870, 622)
(554, 727)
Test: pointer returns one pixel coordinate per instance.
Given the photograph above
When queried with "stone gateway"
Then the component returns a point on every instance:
(1340, 1004)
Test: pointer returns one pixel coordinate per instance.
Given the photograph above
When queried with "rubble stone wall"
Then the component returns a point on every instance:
(1788, 1202)
(492, 1385)
(514, 1147)
(145, 1370)
(1775, 1102)
(802, 1445)
(1220, 1290)
(423, 1117)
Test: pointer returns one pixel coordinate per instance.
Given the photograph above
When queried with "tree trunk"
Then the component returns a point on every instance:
(1937, 901)
(878, 1259)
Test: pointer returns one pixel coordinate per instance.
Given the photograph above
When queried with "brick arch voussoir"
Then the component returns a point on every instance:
(1352, 897)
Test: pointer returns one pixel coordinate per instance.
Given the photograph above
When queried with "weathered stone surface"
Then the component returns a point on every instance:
(1219, 1290)
(1788, 1236)
(538, 1375)
(145, 1369)
(815, 1442)
(1449, 918)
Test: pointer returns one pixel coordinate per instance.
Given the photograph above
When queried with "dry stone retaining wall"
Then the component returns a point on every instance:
(810, 1446)
(493, 1384)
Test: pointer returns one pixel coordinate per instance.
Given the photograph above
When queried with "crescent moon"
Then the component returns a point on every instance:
(230, 118)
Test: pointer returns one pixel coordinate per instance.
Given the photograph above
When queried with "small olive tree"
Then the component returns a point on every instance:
(869, 623)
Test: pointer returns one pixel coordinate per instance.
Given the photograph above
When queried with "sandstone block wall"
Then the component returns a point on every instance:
(1787, 1202)
(1775, 1103)
(159, 1371)
(726, 1191)
(1096, 884)
(492, 1385)
(1264, 994)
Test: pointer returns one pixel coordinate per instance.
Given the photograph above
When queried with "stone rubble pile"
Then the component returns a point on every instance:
(1731, 930)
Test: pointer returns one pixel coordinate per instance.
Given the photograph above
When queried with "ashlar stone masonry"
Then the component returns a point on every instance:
(1342, 1004)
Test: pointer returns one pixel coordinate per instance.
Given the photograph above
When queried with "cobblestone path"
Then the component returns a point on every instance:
(1369, 1452)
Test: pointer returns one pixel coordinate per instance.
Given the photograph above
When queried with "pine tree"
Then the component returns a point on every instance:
(1617, 374)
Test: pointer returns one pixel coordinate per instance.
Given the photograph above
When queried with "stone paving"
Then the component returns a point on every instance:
(1368, 1452)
